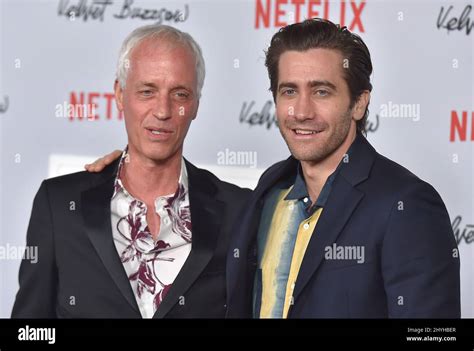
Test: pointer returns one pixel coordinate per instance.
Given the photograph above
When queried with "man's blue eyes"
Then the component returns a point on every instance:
(319, 92)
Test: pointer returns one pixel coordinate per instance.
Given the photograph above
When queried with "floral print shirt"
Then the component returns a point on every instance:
(151, 266)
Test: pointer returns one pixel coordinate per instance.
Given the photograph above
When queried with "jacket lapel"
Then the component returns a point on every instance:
(206, 215)
(97, 220)
(341, 203)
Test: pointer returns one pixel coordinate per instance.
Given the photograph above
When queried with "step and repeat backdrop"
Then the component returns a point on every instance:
(57, 108)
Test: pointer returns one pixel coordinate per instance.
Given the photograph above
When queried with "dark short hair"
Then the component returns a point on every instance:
(319, 33)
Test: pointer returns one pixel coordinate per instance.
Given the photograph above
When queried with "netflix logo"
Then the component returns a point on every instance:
(459, 126)
(90, 106)
(279, 13)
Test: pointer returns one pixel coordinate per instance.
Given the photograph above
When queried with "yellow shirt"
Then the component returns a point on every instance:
(287, 239)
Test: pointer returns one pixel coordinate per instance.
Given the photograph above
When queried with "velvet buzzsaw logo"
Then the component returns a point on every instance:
(97, 9)
(252, 115)
(264, 117)
(463, 232)
(448, 20)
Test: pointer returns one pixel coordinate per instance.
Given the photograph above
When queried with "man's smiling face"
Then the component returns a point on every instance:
(313, 103)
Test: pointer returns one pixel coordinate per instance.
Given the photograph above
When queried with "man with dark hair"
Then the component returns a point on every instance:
(337, 230)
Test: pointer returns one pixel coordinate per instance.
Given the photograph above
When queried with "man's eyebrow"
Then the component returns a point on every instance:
(286, 85)
(322, 83)
(312, 84)
(179, 87)
(147, 84)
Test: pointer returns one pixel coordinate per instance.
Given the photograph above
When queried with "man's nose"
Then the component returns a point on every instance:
(162, 108)
(303, 108)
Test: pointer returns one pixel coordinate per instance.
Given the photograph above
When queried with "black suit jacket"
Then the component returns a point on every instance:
(79, 273)
(411, 263)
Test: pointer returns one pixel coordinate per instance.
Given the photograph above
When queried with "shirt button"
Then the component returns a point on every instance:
(166, 221)
(305, 200)
(306, 226)
(290, 207)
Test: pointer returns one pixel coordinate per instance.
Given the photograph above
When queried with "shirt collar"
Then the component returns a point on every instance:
(118, 186)
(299, 190)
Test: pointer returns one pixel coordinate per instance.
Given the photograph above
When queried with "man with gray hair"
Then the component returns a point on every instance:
(147, 237)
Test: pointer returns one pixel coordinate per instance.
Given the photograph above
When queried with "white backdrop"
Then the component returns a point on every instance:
(52, 52)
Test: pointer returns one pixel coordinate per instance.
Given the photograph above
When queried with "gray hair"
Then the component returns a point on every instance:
(156, 31)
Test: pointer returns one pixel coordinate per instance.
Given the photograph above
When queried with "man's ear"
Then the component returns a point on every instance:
(118, 95)
(358, 110)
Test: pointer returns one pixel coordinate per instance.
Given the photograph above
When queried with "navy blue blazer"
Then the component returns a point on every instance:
(411, 263)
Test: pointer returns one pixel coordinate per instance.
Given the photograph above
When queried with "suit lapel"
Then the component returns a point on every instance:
(206, 215)
(97, 220)
(341, 203)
